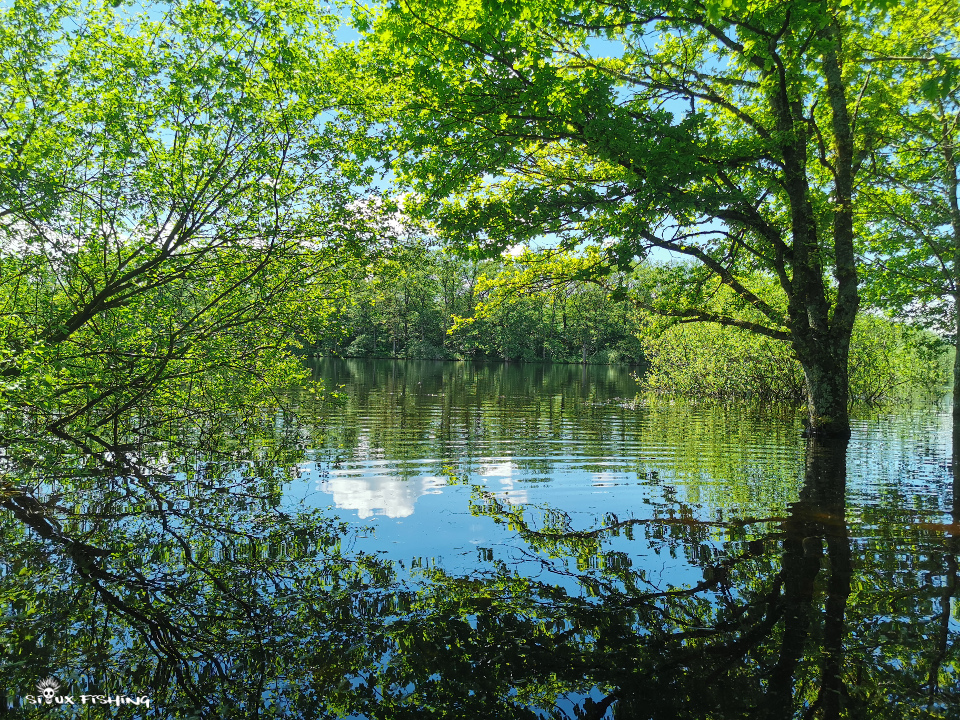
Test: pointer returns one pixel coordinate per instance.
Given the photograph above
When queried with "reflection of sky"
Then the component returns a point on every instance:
(503, 473)
(421, 485)
(425, 521)
(391, 496)
(371, 490)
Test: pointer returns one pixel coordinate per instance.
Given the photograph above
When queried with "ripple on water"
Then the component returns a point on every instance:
(426, 463)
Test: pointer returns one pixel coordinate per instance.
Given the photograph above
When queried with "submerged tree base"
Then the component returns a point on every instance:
(826, 430)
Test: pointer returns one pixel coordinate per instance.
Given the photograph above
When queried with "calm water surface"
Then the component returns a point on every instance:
(423, 453)
(467, 540)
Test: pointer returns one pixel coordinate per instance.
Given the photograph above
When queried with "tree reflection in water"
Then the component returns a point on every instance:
(193, 584)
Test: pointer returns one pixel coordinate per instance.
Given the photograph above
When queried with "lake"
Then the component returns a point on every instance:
(488, 540)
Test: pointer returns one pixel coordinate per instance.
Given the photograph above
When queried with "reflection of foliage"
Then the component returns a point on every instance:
(555, 537)
(185, 575)
(454, 412)
(766, 630)
(191, 579)
(783, 604)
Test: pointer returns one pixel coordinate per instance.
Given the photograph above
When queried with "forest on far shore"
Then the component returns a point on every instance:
(428, 305)
(423, 304)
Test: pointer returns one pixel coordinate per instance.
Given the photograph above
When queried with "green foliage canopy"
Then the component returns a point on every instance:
(168, 208)
(909, 217)
(730, 134)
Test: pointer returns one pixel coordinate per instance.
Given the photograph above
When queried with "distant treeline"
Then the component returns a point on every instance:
(428, 305)
(406, 307)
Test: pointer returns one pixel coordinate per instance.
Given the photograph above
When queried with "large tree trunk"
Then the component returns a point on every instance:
(952, 182)
(956, 345)
(956, 358)
(821, 335)
(828, 392)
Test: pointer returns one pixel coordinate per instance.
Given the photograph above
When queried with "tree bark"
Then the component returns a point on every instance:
(821, 338)
(952, 183)
(956, 360)
(828, 392)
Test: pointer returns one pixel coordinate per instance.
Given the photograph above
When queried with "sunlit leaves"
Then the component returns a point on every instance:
(171, 209)
(909, 224)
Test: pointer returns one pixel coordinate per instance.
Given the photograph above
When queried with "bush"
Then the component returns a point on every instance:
(705, 360)
(362, 346)
(891, 361)
(888, 362)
